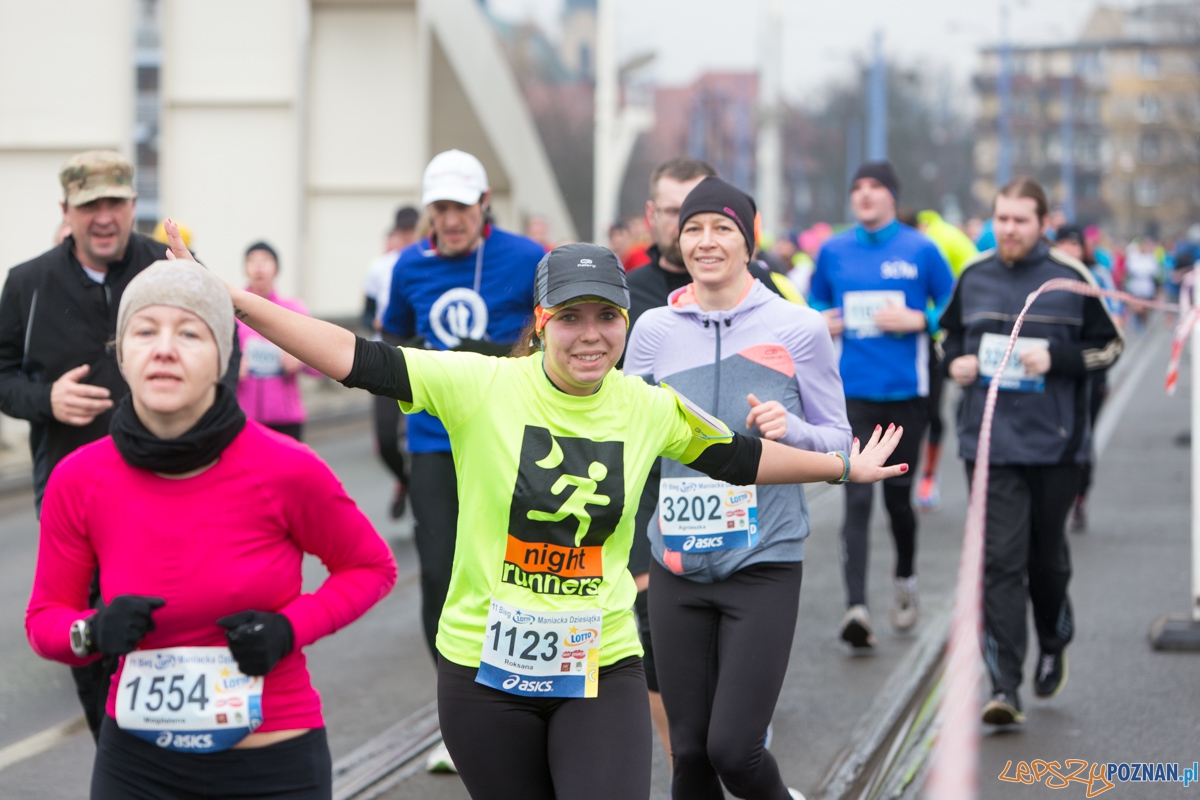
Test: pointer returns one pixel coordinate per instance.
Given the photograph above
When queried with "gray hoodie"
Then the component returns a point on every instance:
(764, 346)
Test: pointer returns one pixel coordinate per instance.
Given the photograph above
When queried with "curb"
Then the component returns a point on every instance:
(874, 738)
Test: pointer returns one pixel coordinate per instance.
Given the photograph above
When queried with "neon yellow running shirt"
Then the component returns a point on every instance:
(548, 488)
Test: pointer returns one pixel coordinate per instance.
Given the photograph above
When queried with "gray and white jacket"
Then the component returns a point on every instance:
(764, 346)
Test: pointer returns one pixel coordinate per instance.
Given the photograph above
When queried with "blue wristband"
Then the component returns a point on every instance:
(845, 467)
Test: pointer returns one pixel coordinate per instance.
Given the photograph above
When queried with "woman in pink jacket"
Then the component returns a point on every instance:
(198, 521)
(268, 390)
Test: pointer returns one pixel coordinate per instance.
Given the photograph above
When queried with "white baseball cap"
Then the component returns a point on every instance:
(454, 175)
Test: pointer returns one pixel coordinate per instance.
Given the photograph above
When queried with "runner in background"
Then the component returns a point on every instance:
(881, 286)
(268, 380)
(199, 521)
(1070, 241)
(957, 248)
(554, 449)
(1041, 434)
(390, 424)
(468, 286)
(732, 576)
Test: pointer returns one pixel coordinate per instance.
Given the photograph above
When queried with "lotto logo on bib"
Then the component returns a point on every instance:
(567, 501)
(458, 314)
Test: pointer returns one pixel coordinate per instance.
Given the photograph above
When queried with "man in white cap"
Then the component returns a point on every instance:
(468, 286)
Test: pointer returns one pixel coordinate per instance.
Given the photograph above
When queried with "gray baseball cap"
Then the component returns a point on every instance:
(580, 270)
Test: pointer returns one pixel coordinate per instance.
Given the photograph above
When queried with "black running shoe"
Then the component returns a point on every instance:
(1051, 674)
(1003, 709)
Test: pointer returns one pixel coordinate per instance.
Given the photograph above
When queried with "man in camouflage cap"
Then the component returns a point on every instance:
(57, 314)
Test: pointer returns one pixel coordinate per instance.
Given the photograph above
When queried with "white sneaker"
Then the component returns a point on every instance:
(856, 628)
(795, 793)
(439, 760)
(905, 612)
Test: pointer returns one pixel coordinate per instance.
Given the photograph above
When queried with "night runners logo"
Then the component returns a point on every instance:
(567, 501)
(1096, 777)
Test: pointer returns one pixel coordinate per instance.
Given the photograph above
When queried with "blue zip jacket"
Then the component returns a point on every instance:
(884, 367)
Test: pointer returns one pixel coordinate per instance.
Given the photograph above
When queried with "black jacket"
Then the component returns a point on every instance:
(53, 318)
(1031, 428)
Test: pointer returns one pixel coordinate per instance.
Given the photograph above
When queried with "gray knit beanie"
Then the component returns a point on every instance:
(186, 285)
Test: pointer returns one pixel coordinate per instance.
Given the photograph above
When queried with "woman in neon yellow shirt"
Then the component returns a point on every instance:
(540, 686)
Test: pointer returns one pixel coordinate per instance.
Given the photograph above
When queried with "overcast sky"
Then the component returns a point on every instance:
(821, 37)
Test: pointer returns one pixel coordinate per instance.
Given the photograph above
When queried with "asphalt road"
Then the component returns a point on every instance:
(1122, 703)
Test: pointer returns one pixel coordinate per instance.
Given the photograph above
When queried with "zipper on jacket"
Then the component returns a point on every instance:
(717, 375)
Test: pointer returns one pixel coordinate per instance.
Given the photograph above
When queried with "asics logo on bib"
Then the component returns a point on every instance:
(898, 270)
(458, 314)
(567, 501)
(190, 741)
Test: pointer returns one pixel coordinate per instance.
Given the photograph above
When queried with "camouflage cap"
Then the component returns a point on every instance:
(94, 174)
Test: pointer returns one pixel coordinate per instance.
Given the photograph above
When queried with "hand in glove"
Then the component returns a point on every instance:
(117, 628)
(258, 639)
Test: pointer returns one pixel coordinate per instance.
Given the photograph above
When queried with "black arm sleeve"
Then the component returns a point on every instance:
(735, 462)
(380, 369)
(21, 395)
(951, 324)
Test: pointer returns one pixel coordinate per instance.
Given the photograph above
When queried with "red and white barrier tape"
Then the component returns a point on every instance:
(954, 771)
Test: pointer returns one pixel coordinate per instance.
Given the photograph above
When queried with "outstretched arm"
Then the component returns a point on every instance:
(322, 345)
(782, 464)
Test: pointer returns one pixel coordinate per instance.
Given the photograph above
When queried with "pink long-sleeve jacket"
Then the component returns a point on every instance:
(229, 539)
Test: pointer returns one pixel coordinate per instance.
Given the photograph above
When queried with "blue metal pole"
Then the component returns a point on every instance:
(698, 128)
(877, 125)
(1067, 101)
(854, 149)
(1004, 91)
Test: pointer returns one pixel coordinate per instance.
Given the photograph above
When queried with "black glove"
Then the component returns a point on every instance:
(117, 628)
(258, 639)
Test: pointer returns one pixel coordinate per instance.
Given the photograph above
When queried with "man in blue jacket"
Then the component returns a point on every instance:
(881, 286)
(1041, 432)
(468, 286)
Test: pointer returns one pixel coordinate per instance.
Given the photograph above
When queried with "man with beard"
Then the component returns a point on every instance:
(1040, 436)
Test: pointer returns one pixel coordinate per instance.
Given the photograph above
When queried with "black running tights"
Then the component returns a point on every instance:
(544, 748)
(722, 650)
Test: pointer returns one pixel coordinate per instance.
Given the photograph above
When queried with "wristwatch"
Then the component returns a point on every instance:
(81, 637)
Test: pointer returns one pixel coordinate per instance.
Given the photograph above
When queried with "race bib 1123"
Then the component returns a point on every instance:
(698, 515)
(541, 653)
(188, 699)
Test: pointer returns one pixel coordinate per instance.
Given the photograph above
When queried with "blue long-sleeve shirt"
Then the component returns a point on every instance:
(858, 271)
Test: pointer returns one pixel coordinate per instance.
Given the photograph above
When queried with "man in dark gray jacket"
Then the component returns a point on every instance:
(1040, 437)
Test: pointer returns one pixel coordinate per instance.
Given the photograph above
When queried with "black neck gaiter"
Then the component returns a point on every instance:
(200, 445)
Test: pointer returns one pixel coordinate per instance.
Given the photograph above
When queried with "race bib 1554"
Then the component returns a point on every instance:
(188, 699)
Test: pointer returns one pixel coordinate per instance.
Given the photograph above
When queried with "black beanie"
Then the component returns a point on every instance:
(266, 248)
(718, 197)
(882, 171)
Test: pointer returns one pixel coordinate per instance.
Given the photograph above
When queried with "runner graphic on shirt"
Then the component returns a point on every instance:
(567, 501)
(577, 502)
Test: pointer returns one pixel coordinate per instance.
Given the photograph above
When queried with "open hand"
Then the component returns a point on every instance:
(770, 417)
(176, 249)
(866, 466)
(75, 403)
(833, 319)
